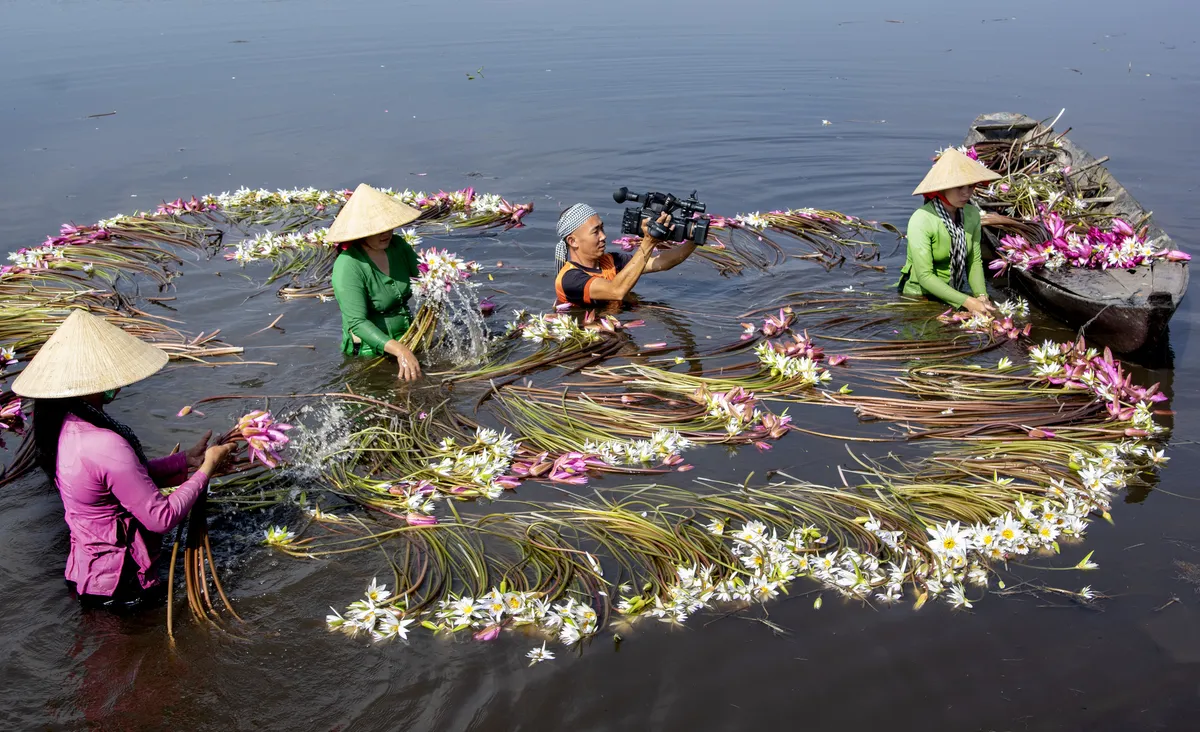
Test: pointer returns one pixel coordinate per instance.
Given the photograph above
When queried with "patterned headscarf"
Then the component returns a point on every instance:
(570, 220)
(958, 247)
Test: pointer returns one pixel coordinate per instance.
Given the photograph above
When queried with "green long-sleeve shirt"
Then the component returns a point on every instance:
(374, 305)
(928, 262)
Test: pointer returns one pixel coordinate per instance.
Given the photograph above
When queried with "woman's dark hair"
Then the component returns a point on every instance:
(48, 416)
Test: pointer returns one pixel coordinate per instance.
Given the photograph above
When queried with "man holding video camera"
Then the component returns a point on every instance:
(588, 274)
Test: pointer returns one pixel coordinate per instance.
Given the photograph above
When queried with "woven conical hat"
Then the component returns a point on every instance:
(87, 355)
(954, 169)
(369, 212)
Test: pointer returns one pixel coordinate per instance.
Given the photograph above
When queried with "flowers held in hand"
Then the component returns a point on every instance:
(264, 436)
(278, 536)
(1000, 325)
(440, 271)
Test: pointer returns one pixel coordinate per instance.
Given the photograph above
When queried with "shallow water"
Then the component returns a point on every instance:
(575, 100)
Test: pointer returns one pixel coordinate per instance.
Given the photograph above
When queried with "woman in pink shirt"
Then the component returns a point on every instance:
(111, 493)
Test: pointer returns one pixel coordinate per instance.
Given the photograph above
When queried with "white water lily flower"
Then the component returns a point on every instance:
(278, 536)
(539, 654)
(376, 592)
(949, 540)
(335, 621)
(957, 597)
(391, 626)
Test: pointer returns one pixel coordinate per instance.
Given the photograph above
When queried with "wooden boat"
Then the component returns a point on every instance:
(1125, 309)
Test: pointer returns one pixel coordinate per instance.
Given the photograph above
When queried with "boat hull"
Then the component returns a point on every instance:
(1125, 309)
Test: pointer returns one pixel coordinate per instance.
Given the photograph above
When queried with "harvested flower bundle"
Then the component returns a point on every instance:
(264, 437)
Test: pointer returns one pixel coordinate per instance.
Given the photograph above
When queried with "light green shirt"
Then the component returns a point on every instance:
(928, 262)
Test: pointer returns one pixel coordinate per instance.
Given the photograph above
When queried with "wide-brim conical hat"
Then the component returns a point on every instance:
(367, 213)
(954, 169)
(87, 355)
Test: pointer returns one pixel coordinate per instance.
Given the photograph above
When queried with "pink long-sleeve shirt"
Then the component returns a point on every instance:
(113, 506)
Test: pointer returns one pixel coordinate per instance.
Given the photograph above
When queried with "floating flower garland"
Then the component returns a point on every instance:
(664, 446)
(952, 561)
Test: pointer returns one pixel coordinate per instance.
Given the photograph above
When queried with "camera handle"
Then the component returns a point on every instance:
(657, 230)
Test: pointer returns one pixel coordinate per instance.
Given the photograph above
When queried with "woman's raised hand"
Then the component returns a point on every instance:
(216, 457)
(195, 455)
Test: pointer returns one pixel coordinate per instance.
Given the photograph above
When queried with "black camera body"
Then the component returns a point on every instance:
(685, 224)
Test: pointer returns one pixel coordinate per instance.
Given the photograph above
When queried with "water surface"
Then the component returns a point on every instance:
(574, 100)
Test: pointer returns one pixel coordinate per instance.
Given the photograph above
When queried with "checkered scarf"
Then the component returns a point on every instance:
(958, 248)
(570, 220)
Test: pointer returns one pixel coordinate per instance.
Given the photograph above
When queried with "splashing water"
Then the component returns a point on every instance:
(322, 435)
(462, 336)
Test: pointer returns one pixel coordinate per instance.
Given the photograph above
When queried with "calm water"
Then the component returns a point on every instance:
(575, 100)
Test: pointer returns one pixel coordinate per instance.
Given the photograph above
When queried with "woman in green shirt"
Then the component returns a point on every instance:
(372, 277)
(944, 259)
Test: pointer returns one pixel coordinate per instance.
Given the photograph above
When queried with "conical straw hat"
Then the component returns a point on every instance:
(369, 212)
(87, 355)
(954, 169)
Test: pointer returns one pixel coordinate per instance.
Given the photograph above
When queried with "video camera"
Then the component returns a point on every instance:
(685, 225)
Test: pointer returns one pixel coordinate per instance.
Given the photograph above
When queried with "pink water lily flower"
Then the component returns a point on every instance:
(569, 467)
(492, 632)
(508, 482)
(420, 519)
(11, 414)
(264, 436)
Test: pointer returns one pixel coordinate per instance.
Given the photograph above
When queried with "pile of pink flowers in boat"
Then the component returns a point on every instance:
(1068, 245)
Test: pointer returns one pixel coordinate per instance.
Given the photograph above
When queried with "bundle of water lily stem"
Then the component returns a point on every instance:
(506, 502)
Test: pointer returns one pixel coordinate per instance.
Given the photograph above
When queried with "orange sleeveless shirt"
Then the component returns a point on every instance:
(608, 270)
